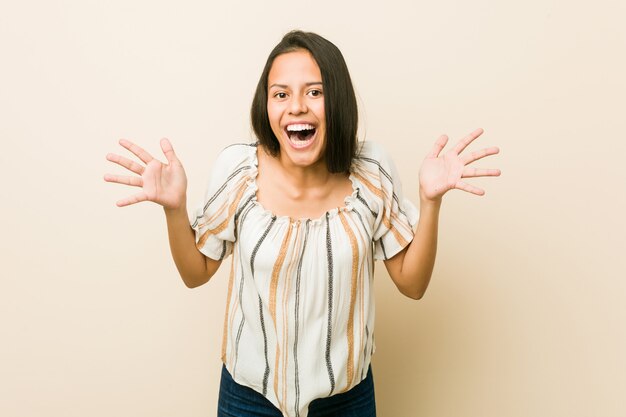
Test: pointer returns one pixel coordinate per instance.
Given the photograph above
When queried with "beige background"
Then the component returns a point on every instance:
(525, 313)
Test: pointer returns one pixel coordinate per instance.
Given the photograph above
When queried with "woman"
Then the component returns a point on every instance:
(305, 211)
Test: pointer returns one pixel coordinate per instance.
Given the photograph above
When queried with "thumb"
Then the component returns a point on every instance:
(168, 150)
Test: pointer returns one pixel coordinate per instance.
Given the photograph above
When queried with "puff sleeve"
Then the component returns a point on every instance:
(394, 216)
(214, 221)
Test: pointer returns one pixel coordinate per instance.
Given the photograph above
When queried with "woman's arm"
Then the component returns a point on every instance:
(412, 267)
(194, 268)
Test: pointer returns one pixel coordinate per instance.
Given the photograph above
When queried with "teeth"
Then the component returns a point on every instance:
(298, 128)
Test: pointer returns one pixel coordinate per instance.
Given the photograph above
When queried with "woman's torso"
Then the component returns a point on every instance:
(299, 319)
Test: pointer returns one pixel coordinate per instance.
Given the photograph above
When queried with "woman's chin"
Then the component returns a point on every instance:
(302, 161)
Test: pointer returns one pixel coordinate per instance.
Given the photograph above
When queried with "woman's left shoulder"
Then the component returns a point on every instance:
(369, 148)
(373, 153)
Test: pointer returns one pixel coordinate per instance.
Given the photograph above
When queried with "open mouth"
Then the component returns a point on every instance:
(300, 134)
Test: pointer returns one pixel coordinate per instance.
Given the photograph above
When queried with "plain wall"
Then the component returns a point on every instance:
(525, 314)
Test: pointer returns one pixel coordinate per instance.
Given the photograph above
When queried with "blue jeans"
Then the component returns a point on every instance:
(239, 401)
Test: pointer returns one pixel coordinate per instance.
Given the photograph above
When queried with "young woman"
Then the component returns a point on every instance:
(304, 212)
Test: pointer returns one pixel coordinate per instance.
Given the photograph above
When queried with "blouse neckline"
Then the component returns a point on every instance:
(330, 213)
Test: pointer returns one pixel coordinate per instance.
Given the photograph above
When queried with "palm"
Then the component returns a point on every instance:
(164, 184)
(441, 173)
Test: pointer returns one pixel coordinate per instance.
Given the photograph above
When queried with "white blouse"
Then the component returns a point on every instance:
(299, 321)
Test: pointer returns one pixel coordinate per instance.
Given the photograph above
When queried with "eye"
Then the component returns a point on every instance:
(315, 93)
(280, 95)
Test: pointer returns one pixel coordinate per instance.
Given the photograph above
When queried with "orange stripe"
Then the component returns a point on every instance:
(230, 293)
(361, 313)
(286, 291)
(383, 194)
(276, 271)
(273, 288)
(396, 220)
(233, 358)
(217, 213)
(224, 224)
(233, 352)
(377, 191)
(364, 242)
(401, 240)
(353, 283)
(385, 218)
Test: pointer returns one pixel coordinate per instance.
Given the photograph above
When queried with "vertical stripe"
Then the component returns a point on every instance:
(252, 257)
(293, 261)
(353, 284)
(258, 244)
(365, 229)
(329, 255)
(367, 336)
(231, 278)
(362, 340)
(297, 322)
(244, 215)
(223, 250)
(282, 254)
(266, 374)
(382, 246)
(367, 244)
(278, 265)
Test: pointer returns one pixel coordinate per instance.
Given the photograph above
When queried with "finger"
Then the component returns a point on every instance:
(168, 150)
(438, 146)
(137, 150)
(469, 188)
(133, 199)
(124, 179)
(462, 144)
(475, 156)
(126, 163)
(478, 172)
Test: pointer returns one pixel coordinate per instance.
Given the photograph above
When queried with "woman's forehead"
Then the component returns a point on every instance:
(294, 67)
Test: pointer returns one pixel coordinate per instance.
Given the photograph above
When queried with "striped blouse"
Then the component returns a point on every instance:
(299, 320)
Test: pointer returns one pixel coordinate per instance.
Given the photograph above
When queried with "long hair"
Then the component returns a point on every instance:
(340, 104)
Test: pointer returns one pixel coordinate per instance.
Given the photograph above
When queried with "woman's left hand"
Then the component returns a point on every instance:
(442, 173)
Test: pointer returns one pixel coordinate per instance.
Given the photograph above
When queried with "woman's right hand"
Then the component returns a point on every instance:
(164, 184)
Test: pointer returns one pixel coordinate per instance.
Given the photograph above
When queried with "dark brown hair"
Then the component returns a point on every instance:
(339, 99)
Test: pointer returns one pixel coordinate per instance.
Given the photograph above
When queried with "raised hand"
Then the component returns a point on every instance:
(164, 184)
(442, 173)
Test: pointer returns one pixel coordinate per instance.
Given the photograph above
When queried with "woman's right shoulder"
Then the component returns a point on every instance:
(235, 156)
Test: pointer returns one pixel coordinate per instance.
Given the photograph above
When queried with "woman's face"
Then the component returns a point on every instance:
(295, 107)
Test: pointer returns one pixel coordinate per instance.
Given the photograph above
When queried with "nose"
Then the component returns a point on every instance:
(297, 105)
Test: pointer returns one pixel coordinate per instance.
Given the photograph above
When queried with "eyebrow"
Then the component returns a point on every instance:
(306, 84)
